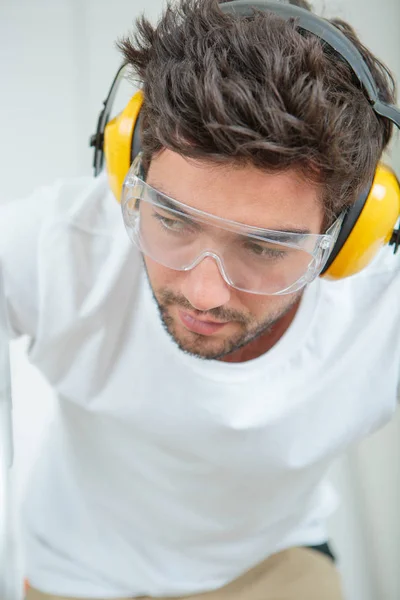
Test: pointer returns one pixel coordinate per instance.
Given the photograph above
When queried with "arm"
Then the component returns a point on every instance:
(6, 448)
(21, 222)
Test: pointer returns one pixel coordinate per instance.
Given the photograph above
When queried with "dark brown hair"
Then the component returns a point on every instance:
(254, 90)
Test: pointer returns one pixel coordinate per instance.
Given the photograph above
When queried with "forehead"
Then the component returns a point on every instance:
(244, 194)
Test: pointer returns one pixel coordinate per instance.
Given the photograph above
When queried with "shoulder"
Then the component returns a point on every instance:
(86, 204)
(383, 272)
(83, 202)
(379, 280)
(386, 262)
(75, 223)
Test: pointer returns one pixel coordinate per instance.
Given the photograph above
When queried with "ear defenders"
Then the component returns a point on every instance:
(368, 225)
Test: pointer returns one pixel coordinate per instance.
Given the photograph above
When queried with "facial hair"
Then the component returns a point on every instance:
(199, 345)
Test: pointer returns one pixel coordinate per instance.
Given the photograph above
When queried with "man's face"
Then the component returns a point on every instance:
(203, 314)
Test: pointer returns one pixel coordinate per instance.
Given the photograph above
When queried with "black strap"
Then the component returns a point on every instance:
(331, 35)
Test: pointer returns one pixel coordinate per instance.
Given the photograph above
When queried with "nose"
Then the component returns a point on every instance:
(205, 287)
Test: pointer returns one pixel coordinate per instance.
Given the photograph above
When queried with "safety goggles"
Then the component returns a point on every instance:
(250, 259)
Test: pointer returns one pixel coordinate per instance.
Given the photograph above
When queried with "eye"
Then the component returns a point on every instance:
(262, 251)
(173, 225)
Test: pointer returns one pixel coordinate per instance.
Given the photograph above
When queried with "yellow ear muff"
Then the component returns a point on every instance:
(373, 228)
(118, 135)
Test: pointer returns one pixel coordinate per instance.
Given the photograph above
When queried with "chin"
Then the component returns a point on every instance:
(202, 346)
(198, 345)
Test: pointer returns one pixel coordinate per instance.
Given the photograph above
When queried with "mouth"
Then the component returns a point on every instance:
(203, 327)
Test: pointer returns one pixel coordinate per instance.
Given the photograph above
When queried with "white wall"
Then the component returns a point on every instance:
(57, 61)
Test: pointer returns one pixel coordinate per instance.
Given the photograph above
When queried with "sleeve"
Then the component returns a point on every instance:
(6, 443)
(21, 223)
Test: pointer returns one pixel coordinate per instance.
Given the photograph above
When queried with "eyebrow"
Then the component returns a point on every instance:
(169, 202)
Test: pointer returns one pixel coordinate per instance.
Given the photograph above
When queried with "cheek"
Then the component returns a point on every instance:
(258, 307)
(161, 276)
(264, 307)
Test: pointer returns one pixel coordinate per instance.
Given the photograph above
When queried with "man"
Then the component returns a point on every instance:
(206, 376)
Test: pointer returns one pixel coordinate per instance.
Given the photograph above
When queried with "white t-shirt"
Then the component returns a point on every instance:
(165, 474)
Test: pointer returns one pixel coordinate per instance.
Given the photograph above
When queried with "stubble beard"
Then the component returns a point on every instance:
(206, 347)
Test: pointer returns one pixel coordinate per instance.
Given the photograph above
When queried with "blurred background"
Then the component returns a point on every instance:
(58, 59)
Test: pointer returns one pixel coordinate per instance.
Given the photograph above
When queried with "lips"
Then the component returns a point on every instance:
(198, 326)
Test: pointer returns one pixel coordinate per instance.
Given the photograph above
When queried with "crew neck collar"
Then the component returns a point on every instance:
(285, 347)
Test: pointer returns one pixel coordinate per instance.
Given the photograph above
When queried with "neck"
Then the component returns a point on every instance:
(264, 342)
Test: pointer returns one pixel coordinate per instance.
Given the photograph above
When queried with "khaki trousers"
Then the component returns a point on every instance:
(294, 574)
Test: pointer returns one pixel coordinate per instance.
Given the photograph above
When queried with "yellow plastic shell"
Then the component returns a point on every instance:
(118, 143)
(373, 228)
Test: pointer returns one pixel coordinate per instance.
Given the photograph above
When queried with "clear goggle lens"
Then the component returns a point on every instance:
(250, 259)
